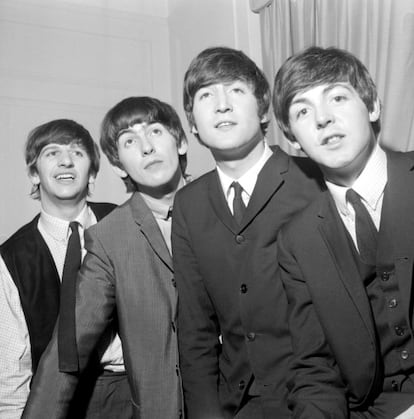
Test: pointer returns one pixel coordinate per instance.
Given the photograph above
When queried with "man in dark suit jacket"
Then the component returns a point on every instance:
(350, 304)
(62, 161)
(233, 338)
(127, 280)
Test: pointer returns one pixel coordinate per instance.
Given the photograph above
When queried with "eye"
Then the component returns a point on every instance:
(78, 153)
(51, 153)
(203, 95)
(301, 113)
(155, 132)
(238, 90)
(339, 98)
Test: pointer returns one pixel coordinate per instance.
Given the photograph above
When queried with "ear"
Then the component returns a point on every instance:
(264, 119)
(376, 111)
(120, 172)
(183, 147)
(34, 178)
(295, 144)
(92, 178)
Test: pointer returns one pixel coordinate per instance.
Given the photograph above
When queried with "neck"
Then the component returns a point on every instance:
(65, 210)
(240, 163)
(165, 193)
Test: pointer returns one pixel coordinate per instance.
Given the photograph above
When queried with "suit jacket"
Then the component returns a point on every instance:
(228, 292)
(337, 358)
(127, 279)
(34, 273)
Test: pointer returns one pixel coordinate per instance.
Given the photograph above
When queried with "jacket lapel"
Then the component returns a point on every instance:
(396, 244)
(270, 179)
(145, 220)
(335, 236)
(219, 203)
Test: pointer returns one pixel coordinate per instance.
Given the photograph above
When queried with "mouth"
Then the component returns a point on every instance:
(152, 164)
(65, 177)
(225, 124)
(332, 139)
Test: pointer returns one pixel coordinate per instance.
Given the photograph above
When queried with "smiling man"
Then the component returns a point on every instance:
(127, 281)
(347, 260)
(62, 161)
(233, 337)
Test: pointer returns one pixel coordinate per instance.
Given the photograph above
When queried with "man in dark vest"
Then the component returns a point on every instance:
(62, 161)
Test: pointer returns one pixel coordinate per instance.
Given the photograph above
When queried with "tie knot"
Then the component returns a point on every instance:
(352, 196)
(73, 225)
(238, 189)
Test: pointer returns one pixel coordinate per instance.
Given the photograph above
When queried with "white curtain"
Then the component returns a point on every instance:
(379, 32)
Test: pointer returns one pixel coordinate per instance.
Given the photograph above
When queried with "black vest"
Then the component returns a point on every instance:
(33, 270)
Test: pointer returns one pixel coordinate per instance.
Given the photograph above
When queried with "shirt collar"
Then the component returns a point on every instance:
(248, 179)
(59, 228)
(370, 184)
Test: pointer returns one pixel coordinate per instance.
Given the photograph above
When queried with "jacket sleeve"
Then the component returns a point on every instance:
(198, 328)
(52, 391)
(316, 389)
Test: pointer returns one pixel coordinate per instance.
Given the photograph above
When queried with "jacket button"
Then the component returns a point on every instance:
(385, 276)
(404, 355)
(239, 239)
(243, 288)
(251, 336)
(392, 303)
(394, 385)
(399, 331)
(242, 385)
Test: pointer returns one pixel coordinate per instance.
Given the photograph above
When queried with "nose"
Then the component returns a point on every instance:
(66, 158)
(324, 118)
(147, 147)
(223, 102)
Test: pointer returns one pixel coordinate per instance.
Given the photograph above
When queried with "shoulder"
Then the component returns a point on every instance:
(21, 235)
(111, 223)
(101, 209)
(197, 186)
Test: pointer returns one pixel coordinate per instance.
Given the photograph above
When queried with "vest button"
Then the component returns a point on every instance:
(242, 385)
(404, 354)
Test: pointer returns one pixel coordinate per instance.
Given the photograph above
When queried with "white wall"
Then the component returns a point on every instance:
(77, 58)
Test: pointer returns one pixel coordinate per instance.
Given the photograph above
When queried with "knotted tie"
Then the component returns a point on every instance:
(238, 205)
(68, 356)
(366, 232)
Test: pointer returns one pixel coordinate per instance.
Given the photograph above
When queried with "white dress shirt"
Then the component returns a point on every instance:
(247, 181)
(369, 186)
(15, 358)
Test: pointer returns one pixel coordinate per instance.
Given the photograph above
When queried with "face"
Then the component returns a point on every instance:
(62, 174)
(226, 118)
(150, 156)
(333, 127)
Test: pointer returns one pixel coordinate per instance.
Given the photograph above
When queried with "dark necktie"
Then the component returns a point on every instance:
(238, 205)
(68, 356)
(366, 232)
